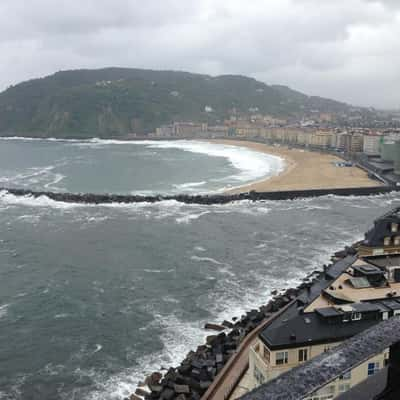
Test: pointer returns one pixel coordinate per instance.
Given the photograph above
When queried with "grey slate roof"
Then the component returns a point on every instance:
(334, 271)
(310, 329)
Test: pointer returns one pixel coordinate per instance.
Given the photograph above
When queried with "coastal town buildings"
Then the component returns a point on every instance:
(378, 152)
(356, 293)
(371, 146)
(182, 130)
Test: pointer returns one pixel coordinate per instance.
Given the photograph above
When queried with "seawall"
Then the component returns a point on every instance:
(91, 198)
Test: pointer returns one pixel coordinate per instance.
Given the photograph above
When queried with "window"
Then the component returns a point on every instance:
(346, 376)
(258, 375)
(397, 241)
(282, 357)
(386, 241)
(346, 318)
(327, 392)
(394, 227)
(385, 315)
(303, 355)
(344, 387)
(356, 316)
(267, 355)
(327, 348)
(373, 368)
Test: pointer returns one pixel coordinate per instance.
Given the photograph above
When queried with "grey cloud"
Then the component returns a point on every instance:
(333, 49)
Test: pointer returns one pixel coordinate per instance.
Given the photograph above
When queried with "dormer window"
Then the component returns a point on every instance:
(356, 316)
(394, 227)
(387, 241)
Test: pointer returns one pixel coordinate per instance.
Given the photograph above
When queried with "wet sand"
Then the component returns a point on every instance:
(303, 170)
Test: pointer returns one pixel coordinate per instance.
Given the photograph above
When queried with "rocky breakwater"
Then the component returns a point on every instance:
(191, 379)
(195, 374)
(93, 198)
(198, 370)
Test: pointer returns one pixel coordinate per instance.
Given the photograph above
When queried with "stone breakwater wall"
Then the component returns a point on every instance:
(191, 379)
(196, 373)
(90, 198)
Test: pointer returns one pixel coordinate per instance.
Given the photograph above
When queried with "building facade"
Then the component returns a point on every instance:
(355, 294)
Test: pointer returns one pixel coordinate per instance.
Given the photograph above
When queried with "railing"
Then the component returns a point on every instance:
(302, 381)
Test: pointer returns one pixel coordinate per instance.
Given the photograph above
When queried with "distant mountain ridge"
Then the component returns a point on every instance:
(117, 101)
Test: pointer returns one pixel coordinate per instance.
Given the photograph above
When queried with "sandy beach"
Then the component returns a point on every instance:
(303, 170)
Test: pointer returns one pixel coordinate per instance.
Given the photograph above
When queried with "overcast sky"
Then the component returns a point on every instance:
(344, 49)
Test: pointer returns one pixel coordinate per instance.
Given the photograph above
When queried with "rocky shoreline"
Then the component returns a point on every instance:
(191, 379)
(91, 198)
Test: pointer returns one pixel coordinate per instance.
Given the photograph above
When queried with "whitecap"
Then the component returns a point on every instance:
(158, 271)
(41, 201)
(199, 248)
(98, 348)
(4, 310)
(190, 185)
(206, 259)
(186, 219)
(61, 316)
(253, 165)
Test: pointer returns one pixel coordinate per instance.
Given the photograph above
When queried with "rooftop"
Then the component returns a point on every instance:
(303, 381)
(349, 289)
(310, 328)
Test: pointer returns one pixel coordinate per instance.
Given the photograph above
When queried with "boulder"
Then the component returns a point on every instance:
(154, 378)
(197, 364)
(184, 368)
(205, 384)
(195, 373)
(155, 388)
(167, 394)
(185, 389)
(211, 339)
(141, 392)
(214, 327)
(227, 324)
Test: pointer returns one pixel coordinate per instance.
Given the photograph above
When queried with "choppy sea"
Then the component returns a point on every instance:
(94, 297)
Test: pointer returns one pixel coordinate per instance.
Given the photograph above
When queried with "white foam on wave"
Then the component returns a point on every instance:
(4, 310)
(186, 219)
(252, 165)
(43, 175)
(8, 198)
(181, 336)
(31, 201)
(199, 248)
(190, 185)
(223, 268)
(206, 259)
(37, 139)
(178, 338)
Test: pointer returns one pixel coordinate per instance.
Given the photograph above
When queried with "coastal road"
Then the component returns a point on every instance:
(228, 378)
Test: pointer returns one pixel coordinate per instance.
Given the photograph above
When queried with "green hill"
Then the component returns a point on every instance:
(117, 101)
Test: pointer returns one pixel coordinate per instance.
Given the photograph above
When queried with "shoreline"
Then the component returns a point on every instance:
(199, 375)
(303, 170)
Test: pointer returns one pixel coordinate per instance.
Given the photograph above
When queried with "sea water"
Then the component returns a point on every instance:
(92, 298)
